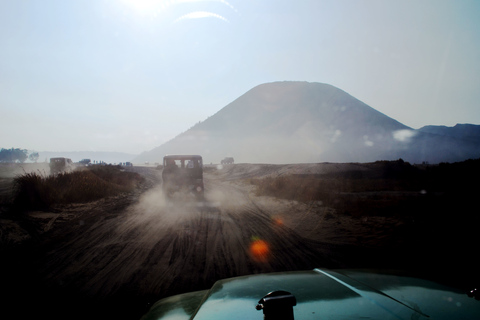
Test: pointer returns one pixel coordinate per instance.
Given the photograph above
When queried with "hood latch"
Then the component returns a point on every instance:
(277, 305)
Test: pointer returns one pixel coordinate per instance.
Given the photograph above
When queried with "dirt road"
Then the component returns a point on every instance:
(113, 258)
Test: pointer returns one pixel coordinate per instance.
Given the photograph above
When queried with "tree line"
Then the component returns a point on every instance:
(17, 155)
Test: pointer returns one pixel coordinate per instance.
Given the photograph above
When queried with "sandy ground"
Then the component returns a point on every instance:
(114, 257)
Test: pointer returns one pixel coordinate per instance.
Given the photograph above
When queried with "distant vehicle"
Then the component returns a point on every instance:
(227, 160)
(321, 294)
(128, 164)
(85, 161)
(58, 165)
(184, 174)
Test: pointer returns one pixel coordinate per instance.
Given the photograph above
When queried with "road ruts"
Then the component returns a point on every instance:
(116, 261)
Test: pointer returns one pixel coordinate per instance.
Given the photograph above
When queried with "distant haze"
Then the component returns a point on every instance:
(295, 122)
(107, 157)
(130, 75)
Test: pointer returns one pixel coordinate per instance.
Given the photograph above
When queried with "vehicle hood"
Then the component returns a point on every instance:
(323, 294)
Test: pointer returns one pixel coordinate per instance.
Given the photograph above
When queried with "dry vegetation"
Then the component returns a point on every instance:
(38, 191)
(382, 188)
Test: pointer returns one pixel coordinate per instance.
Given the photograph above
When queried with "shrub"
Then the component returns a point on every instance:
(382, 188)
(32, 190)
(37, 191)
(296, 187)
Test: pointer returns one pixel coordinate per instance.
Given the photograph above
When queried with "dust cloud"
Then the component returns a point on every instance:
(158, 215)
(154, 213)
(13, 170)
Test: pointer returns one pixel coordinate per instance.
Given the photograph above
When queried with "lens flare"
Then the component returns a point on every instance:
(153, 7)
(260, 250)
(277, 220)
(201, 14)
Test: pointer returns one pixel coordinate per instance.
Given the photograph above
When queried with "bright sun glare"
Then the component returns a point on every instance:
(147, 6)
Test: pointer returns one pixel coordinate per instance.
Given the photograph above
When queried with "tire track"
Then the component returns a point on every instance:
(153, 248)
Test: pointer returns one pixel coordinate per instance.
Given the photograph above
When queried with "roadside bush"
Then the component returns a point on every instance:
(33, 190)
(296, 187)
(354, 197)
(382, 188)
(37, 191)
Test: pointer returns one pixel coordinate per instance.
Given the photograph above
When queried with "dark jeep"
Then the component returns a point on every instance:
(183, 173)
(227, 160)
(58, 165)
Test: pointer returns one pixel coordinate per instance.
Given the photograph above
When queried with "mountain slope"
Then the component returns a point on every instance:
(466, 131)
(294, 122)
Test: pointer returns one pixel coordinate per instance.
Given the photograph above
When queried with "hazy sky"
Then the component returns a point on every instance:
(129, 75)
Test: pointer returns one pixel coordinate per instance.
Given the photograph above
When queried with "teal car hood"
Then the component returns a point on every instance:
(323, 294)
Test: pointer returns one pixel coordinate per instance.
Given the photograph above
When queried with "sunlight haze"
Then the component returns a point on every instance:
(128, 76)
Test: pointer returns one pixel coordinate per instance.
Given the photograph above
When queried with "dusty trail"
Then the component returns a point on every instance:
(120, 255)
